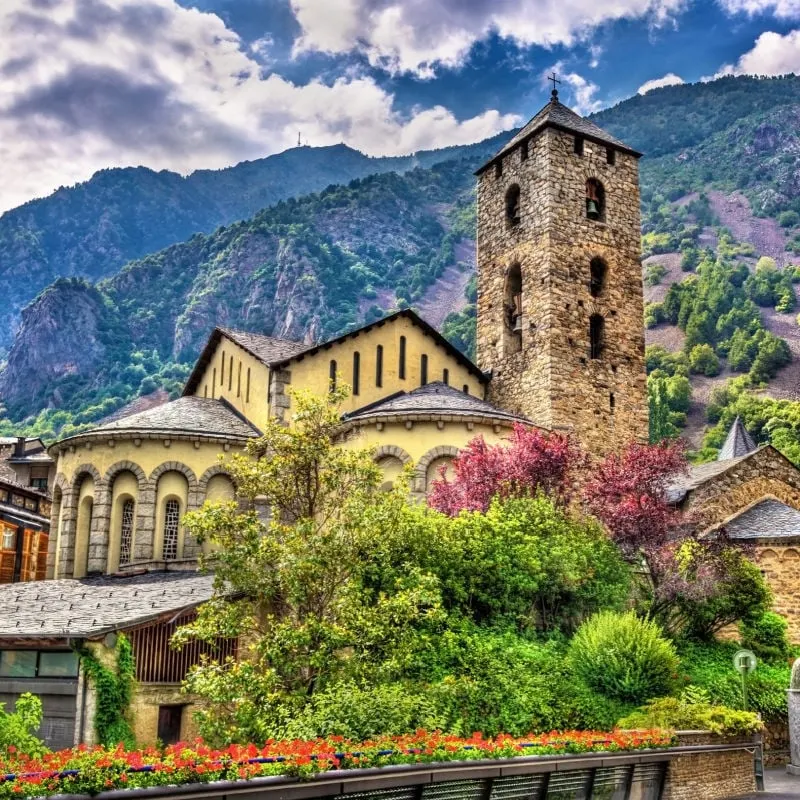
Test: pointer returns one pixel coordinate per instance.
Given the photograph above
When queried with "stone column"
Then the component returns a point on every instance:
(793, 768)
(69, 522)
(145, 531)
(100, 530)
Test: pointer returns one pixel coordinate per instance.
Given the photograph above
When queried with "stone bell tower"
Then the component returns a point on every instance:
(560, 300)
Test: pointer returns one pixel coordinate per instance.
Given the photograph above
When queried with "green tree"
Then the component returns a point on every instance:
(293, 588)
(703, 360)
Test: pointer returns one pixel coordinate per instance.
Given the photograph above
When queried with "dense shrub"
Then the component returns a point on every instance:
(17, 727)
(710, 666)
(624, 657)
(673, 713)
(704, 360)
(766, 636)
(743, 596)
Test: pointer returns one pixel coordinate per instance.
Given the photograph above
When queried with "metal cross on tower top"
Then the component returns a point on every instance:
(555, 80)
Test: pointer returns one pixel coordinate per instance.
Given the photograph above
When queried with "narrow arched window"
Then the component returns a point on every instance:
(577, 145)
(423, 370)
(332, 375)
(596, 335)
(465, 389)
(126, 533)
(595, 200)
(401, 367)
(239, 380)
(222, 370)
(379, 365)
(356, 372)
(446, 377)
(523, 151)
(247, 390)
(611, 156)
(172, 518)
(597, 276)
(214, 383)
(230, 375)
(512, 204)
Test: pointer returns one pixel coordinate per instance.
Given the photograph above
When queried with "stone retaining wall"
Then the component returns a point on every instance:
(710, 774)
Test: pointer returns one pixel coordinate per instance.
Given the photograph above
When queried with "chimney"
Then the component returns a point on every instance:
(19, 447)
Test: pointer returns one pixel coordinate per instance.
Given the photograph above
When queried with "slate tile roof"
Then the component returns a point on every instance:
(737, 443)
(91, 607)
(185, 415)
(556, 114)
(769, 519)
(433, 398)
(699, 475)
(267, 349)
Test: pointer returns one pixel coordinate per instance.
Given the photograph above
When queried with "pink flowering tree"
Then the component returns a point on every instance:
(530, 461)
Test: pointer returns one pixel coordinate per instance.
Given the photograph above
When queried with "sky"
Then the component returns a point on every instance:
(190, 84)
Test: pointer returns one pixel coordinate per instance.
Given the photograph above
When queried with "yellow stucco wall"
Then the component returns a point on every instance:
(148, 454)
(313, 372)
(226, 376)
(423, 437)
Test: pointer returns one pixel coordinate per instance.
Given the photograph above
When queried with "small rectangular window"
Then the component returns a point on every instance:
(18, 664)
(523, 151)
(611, 402)
(611, 155)
(446, 377)
(39, 483)
(423, 370)
(498, 168)
(401, 367)
(465, 389)
(578, 145)
(356, 372)
(332, 375)
(379, 365)
(9, 539)
(58, 665)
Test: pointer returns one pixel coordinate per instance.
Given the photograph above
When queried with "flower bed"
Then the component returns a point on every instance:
(86, 770)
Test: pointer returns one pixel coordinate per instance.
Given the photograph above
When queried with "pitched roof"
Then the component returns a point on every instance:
(556, 115)
(433, 398)
(700, 474)
(91, 607)
(405, 313)
(769, 519)
(186, 415)
(738, 442)
(267, 349)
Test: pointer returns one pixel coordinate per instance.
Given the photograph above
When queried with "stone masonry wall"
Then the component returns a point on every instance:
(552, 379)
(710, 776)
(765, 473)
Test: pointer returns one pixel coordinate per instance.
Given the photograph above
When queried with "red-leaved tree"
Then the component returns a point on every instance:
(629, 493)
(530, 461)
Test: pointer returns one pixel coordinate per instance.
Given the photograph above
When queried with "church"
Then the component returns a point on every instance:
(560, 346)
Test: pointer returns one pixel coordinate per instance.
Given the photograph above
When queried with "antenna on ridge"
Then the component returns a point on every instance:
(299, 140)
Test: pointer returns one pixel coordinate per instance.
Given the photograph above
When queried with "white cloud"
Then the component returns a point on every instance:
(772, 54)
(670, 79)
(417, 35)
(584, 100)
(780, 8)
(87, 84)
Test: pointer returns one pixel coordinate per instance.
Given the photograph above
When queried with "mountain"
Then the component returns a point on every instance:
(721, 181)
(91, 230)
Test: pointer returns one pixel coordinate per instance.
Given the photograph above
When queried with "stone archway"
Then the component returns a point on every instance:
(420, 483)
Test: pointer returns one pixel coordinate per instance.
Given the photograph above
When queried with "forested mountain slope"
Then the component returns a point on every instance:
(92, 229)
(719, 155)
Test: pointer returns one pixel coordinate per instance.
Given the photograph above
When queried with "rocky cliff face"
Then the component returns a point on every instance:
(61, 342)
